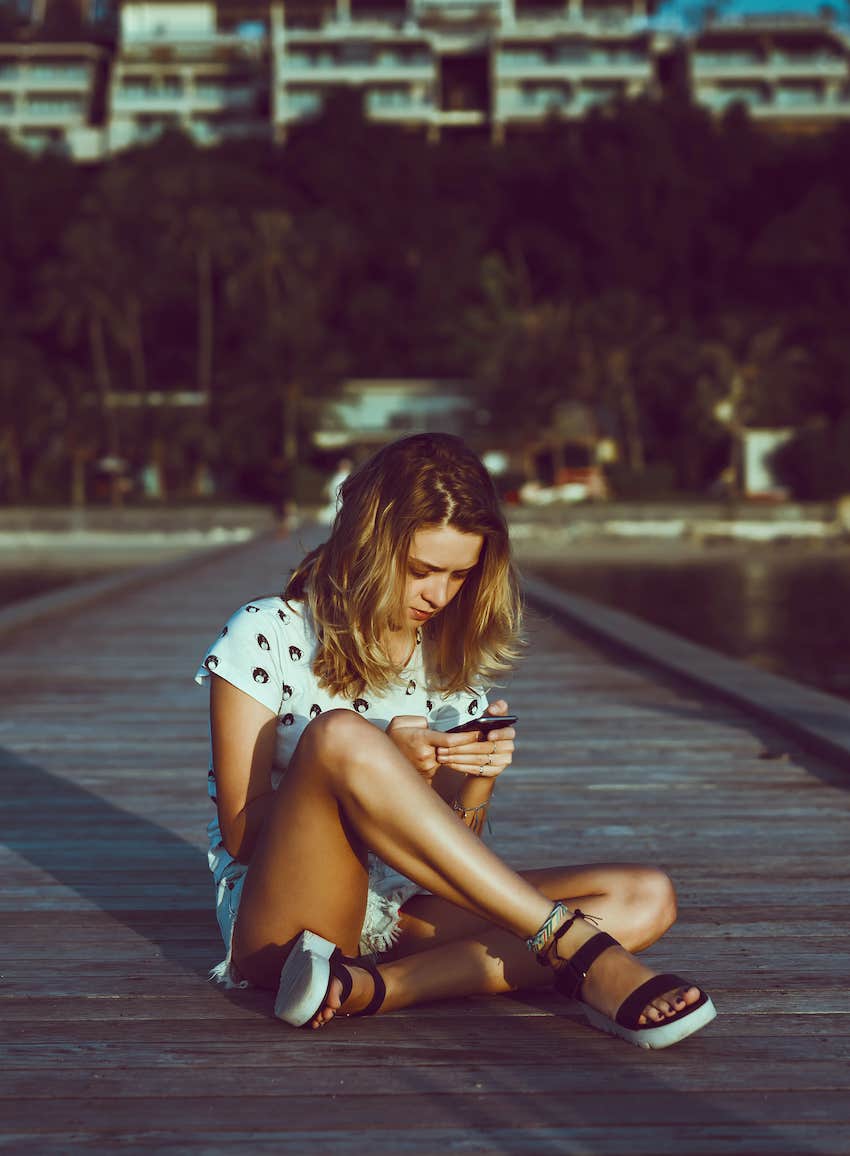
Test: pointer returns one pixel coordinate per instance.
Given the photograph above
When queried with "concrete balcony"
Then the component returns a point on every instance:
(182, 103)
(534, 107)
(459, 117)
(719, 99)
(589, 68)
(31, 79)
(54, 116)
(396, 104)
(831, 68)
(827, 109)
(339, 72)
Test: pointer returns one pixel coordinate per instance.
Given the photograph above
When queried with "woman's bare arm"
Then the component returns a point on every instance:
(243, 745)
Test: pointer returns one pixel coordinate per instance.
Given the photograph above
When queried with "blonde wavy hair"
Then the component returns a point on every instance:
(354, 584)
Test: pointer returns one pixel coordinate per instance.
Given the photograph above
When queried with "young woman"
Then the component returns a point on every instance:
(348, 820)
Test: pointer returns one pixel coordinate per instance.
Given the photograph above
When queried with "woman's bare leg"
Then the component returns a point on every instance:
(346, 789)
(444, 952)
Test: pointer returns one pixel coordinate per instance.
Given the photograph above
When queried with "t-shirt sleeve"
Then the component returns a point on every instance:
(457, 708)
(247, 654)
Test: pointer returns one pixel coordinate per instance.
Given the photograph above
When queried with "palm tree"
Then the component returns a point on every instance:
(282, 285)
(754, 376)
(197, 206)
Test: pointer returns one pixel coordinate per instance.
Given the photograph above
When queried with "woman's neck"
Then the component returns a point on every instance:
(400, 645)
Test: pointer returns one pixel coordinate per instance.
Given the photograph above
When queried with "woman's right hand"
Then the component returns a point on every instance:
(419, 745)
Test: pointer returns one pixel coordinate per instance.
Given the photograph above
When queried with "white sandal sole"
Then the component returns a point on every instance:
(304, 979)
(661, 1037)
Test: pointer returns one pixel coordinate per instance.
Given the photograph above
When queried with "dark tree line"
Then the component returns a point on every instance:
(649, 261)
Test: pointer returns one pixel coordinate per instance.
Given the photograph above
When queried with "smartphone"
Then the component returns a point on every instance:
(486, 723)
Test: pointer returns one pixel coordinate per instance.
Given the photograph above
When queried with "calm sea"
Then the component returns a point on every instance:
(790, 616)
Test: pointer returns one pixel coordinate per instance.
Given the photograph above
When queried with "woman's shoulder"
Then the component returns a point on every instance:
(275, 610)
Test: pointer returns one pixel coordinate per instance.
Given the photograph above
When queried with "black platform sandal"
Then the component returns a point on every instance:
(571, 973)
(305, 977)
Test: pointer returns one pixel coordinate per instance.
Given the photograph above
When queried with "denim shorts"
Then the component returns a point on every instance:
(388, 892)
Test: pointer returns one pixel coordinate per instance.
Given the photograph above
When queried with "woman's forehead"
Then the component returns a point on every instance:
(445, 548)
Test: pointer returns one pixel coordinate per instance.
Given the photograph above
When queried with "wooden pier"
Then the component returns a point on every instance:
(115, 1042)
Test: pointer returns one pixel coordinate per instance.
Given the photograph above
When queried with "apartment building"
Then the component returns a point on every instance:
(48, 94)
(443, 64)
(234, 68)
(200, 67)
(791, 71)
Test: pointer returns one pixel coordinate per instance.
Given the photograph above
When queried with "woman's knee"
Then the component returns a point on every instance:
(654, 897)
(338, 738)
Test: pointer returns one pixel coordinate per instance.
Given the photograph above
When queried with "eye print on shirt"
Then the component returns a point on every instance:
(472, 709)
(360, 705)
(315, 710)
(211, 661)
(283, 617)
(286, 694)
(260, 675)
(294, 653)
(411, 687)
(263, 642)
(287, 720)
(223, 633)
(428, 704)
(252, 610)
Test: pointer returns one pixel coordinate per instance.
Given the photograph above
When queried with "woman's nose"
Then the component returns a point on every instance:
(436, 592)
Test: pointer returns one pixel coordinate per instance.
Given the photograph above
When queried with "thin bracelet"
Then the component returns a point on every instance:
(459, 809)
(477, 825)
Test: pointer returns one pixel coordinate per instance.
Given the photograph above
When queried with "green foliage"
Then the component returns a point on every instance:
(649, 262)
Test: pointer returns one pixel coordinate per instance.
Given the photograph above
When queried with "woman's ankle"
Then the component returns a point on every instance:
(566, 926)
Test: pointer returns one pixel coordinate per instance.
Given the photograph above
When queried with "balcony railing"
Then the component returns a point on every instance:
(330, 69)
(591, 65)
(43, 77)
(777, 64)
(203, 96)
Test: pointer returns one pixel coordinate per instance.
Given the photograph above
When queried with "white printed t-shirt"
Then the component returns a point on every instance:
(266, 649)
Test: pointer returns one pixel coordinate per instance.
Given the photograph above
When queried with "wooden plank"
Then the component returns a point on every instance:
(115, 1042)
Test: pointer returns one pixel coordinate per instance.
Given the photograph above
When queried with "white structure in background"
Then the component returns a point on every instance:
(759, 474)
(223, 68)
(367, 413)
(789, 69)
(460, 63)
(47, 93)
(175, 66)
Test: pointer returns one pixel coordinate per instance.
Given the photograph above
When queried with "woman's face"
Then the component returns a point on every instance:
(439, 561)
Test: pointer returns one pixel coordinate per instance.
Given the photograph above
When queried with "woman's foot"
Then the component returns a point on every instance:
(360, 996)
(614, 975)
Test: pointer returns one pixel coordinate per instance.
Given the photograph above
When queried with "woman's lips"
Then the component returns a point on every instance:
(421, 615)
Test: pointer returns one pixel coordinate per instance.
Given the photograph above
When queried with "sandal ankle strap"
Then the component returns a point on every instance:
(571, 973)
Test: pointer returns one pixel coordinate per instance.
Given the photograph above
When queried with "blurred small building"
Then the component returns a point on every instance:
(367, 413)
(789, 69)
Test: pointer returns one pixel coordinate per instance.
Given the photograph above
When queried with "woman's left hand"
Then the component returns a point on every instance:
(486, 759)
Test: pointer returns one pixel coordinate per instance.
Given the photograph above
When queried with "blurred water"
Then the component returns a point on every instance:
(787, 616)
